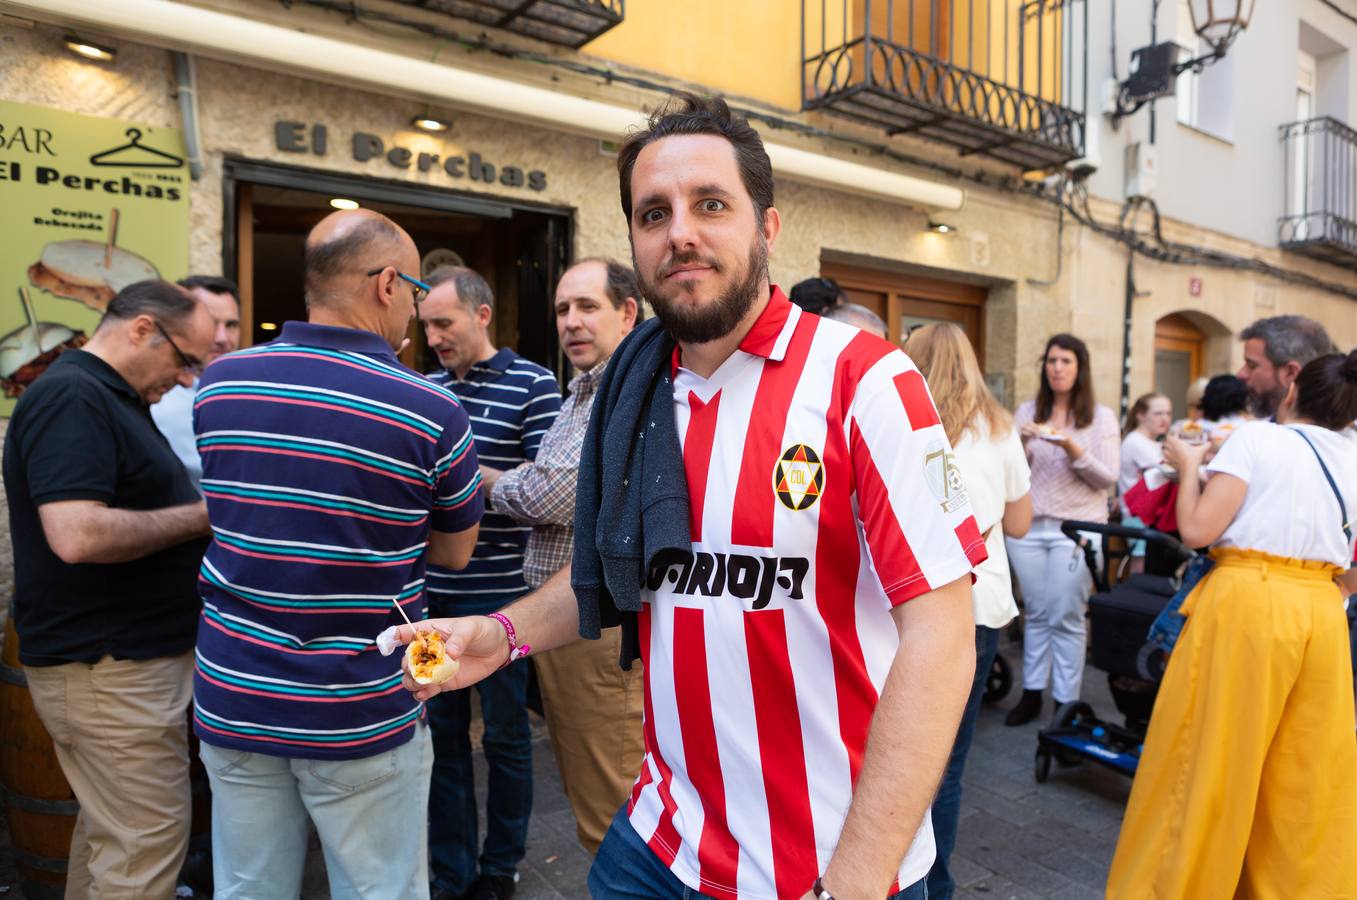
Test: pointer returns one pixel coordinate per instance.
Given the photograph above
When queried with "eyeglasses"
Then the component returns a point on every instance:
(420, 289)
(188, 363)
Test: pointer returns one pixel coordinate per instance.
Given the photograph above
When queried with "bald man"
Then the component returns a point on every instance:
(331, 474)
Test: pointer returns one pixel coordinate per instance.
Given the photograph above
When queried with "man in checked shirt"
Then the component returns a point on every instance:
(593, 708)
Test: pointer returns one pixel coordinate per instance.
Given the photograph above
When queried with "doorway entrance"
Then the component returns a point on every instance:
(520, 250)
(1179, 348)
(905, 301)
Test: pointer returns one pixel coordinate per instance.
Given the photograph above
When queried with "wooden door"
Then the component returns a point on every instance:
(906, 301)
(1178, 350)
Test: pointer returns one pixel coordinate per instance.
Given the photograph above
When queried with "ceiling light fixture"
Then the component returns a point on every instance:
(940, 227)
(344, 203)
(268, 326)
(88, 50)
(430, 123)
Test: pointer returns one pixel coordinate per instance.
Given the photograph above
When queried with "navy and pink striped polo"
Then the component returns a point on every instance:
(325, 464)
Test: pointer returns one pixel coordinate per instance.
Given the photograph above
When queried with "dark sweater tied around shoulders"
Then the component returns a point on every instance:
(631, 505)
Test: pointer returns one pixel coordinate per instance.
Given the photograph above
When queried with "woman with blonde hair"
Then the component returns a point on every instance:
(994, 470)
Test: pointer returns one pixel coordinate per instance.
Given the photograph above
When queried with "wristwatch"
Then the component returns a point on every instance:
(818, 889)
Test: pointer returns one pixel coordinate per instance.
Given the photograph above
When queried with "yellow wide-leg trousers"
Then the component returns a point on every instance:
(1247, 787)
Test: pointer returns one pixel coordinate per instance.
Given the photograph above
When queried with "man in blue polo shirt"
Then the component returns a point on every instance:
(330, 472)
(512, 403)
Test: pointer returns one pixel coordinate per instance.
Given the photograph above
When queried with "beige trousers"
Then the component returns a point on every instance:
(593, 712)
(121, 737)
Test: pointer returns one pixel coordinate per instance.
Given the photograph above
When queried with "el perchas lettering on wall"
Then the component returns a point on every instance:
(296, 137)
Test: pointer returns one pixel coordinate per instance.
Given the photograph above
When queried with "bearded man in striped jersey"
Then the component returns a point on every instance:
(770, 510)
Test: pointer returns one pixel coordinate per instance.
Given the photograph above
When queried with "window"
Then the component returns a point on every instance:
(1206, 98)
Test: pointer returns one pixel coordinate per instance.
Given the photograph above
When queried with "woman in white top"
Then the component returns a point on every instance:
(1146, 423)
(994, 469)
(1247, 786)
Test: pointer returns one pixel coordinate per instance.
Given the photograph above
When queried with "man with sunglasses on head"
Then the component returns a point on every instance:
(108, 533)
(332, 475)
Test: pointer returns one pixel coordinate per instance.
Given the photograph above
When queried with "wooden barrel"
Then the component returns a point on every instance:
(38, 801)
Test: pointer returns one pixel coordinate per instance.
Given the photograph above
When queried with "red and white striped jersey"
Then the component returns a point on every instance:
(823, 493)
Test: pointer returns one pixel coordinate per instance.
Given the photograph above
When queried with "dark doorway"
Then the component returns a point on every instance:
(519, 249)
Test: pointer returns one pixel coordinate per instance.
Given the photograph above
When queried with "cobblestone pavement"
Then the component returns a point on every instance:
(1017, 840)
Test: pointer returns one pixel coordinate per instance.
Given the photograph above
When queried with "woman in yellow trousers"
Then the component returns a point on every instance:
(1247, 786)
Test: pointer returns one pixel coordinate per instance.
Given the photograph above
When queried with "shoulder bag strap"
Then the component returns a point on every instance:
(1333, 486)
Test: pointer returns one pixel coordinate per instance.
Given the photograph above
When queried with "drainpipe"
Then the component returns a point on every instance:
(188, 110)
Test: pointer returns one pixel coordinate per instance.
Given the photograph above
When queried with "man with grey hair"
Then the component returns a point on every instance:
(108, 533)
(858, 316)
(1275, 350)
(512, 402)
(332, 474)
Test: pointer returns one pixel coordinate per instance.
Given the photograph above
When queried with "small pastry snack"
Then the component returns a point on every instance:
(428, 660)
(1192, 432)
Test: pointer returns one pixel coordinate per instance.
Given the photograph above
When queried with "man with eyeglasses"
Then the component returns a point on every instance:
(173, 415)
(332, 474)
(108, 534)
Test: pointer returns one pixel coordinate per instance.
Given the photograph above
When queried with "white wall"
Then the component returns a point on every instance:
(1232, 186)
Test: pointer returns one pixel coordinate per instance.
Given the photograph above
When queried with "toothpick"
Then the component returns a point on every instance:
(112, 238)
(29, 314)
(395, 601)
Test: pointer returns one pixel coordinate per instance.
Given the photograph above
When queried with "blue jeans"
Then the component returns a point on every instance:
(626, 869)
(507, 743)
(947, 805)
(374, 849)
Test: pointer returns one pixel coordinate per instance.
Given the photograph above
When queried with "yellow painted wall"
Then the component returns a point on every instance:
(748, 48)
(752, 48)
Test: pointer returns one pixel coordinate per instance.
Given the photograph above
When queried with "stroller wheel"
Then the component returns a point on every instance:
(1071, 714)
(1042, 768)
(999, 681)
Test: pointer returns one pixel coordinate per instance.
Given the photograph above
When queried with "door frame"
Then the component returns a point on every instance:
(239, 174)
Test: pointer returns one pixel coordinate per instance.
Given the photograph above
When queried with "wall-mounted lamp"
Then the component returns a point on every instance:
(341, 203)
(89, 50)
(1155, 69)
(430, 123)
(941, 227)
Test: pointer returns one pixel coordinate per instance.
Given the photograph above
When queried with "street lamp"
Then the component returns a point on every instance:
(1155, 69)
(1218, 22)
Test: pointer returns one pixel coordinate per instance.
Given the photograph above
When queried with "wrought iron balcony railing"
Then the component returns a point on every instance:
(1004, 78)
(569, 23)
(1321, 190)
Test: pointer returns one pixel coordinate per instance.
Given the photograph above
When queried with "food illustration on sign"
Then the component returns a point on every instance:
(429, 661)
(26, 352)
(89, 271)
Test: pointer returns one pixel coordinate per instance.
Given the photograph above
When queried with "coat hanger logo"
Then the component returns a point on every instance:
(136, 155)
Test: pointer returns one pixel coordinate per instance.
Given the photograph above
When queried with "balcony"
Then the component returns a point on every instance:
(1003, 78)
(568, 23)
(1321, 190)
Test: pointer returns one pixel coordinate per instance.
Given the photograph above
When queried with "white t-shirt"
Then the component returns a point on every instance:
(995, 473)
(1138, 453)
(1289, 509)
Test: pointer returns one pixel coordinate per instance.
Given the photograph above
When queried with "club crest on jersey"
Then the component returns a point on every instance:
(798, 477)
(944, 477)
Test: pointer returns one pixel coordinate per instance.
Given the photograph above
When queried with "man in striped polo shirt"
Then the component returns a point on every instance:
(330, 472)
(807, 638)
(511, 402)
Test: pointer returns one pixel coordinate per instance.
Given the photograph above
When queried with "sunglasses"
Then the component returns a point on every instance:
(187, 363)
(420, 289)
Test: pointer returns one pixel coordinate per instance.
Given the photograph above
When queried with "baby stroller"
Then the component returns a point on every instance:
(1119, 620)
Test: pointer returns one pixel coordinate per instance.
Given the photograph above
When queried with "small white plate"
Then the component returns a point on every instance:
(1053, 438)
